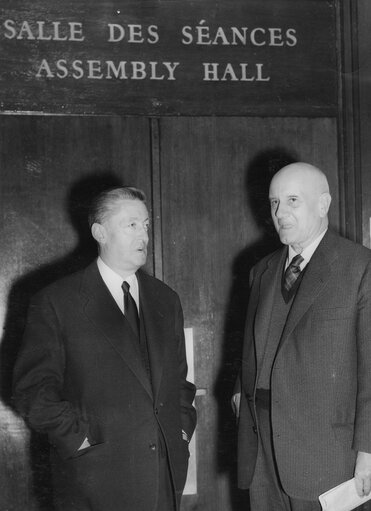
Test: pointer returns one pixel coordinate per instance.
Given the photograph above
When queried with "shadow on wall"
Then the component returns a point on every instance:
(258, 176)
(77, 205)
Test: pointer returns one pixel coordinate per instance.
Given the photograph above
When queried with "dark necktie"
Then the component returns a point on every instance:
(291, 275)
(131, 311)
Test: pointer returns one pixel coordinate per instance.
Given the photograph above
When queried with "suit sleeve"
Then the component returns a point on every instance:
(362, 432)
(187, 389)
(39, 380)
(237, 388)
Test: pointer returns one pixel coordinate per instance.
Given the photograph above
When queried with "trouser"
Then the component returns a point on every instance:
(266, 492)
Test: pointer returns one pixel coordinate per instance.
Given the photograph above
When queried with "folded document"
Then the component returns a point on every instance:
(342, 498)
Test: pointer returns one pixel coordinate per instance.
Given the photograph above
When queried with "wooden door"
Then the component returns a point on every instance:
(206, 181)
(214, 177)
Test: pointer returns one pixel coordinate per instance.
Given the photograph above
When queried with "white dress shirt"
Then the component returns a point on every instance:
(114, 282)
(306, 253)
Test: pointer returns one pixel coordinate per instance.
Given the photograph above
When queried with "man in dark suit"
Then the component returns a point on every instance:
(305, 401)
(102, 371)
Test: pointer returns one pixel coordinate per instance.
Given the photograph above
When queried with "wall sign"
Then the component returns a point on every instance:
(169, 58)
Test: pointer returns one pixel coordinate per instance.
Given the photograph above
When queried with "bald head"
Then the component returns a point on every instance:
(300, 200)
(312, 176)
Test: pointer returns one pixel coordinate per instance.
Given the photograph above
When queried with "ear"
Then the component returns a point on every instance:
(99, 233)
(324, 204)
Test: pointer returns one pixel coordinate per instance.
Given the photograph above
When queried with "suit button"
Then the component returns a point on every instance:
(156, 411)
(152, 447)
(254, 428)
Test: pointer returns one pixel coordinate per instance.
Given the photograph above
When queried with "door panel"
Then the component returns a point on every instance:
(49, 167)
(214, 177)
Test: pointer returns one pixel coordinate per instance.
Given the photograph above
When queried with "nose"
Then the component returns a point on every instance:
(142, 233)
(278, 210)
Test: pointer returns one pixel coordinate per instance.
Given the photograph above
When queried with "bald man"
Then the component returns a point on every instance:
(305, 401)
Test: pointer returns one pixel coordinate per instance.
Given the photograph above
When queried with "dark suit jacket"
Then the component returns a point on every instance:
(80, 374)
(321, 376)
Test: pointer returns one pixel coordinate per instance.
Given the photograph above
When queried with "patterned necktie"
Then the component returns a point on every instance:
(291, 275)
(131, 311)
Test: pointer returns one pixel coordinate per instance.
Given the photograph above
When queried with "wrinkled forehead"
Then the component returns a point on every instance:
(285, 185)
(296, 182)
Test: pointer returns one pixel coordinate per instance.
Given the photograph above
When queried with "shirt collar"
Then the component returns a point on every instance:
(110, 275)
(114, 282)
(307, 252)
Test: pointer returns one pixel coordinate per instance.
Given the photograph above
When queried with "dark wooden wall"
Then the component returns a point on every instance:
(206, 181)
(363, 118)
(214, 174)
(49, 167)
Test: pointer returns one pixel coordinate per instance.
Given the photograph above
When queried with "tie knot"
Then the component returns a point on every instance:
(125, 287)
(296, 262)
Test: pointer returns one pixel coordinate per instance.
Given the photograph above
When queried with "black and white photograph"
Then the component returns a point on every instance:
(185, 278)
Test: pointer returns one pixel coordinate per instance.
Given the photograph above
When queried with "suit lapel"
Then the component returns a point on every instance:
(314, 280)
(102, 310)
(153, 314)
(268, 282)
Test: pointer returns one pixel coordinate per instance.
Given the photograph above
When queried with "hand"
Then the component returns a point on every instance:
(235, 402)
(84, 445)
(185, 437)
(362, 473)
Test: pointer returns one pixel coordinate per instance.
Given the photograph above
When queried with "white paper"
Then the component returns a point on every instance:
(343, 497)
(191, 483)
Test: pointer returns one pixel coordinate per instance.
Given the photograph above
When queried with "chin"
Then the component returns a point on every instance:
(285, 240)
(142, 260)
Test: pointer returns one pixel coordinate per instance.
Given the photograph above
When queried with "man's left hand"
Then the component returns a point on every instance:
(362, 473)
